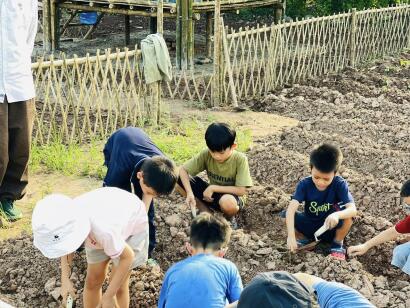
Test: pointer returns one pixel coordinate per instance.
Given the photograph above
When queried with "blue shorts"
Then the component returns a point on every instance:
(308, 226)
(401, 257)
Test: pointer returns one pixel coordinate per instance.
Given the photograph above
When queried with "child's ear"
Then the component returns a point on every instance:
(189, 248)
(234, 146)
(140, 175)
(221, 253)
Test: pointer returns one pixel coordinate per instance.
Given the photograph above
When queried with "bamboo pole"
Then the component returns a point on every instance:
(78, 61)
(209, 34)
(216, 99)
(94, 26)
(160, 29)
(178, 34)
(67, 23)
(185, 34)
(278, 13)
(46, 26)
(53, 24)
(190, 36)
(228, 65)
(160, 17)
(353, 29)
(134, 12)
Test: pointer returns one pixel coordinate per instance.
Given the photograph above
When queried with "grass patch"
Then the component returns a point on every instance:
(179, 141)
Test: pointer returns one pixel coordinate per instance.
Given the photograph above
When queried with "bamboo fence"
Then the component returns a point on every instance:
(84, 98)
(261, 59)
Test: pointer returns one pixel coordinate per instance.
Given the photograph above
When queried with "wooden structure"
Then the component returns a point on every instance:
(185, 12)
(80, 99)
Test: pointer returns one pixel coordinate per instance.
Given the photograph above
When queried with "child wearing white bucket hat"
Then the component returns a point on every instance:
(61, 224)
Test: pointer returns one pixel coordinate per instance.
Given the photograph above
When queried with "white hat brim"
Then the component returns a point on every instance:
(70, 243)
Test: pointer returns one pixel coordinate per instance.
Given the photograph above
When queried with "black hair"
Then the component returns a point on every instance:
(326, 158)
(210, 231)
(405, 189)
(159, 174)
(219, 137)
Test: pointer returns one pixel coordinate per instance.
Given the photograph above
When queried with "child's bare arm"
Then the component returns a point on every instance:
(184, 176)
(119, 276)
(234, 190)
(190, 198)
(349, 212)
(290, 224)
(66, 284)
(385, 236)
(333, 219)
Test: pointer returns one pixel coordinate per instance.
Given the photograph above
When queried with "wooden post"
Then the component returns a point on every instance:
(190, 35)
(178, 34)
(160, 17)
(127, 30)
(184, 36)
(46, 26)
(209, 25)
(353, 29)
(55, 24)
(278, 13)
(228, 65)
(160, 29)
(216, 99)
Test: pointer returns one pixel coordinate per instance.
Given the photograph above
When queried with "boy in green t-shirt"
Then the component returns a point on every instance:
(227, 170)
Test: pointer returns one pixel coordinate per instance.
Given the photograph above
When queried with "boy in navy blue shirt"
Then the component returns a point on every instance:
(327, 202)
(205, 279)
(134, 161)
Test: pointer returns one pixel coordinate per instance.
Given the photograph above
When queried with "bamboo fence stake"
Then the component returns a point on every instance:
(228, 65)
(216, 99)
(353, 29)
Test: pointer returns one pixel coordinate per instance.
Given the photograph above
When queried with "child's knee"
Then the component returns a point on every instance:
(346, 224)
(229, 205)
(401, 253)
(94, 280)
(123, 290)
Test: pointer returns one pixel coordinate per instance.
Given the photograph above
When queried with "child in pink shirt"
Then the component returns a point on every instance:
(118, 233)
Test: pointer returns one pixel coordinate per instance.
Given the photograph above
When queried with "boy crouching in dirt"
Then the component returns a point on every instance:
(327, 201)
(61, 224)
(205, 279)
(227, 170)
(401, 254)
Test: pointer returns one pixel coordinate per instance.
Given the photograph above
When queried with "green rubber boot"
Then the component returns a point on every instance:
(10, 211)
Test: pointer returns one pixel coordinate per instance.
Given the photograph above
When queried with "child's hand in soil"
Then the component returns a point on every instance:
(208, 194)
(357, 250)
(67, 288)
(190, 200)
(292, 244)
(331, 221)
